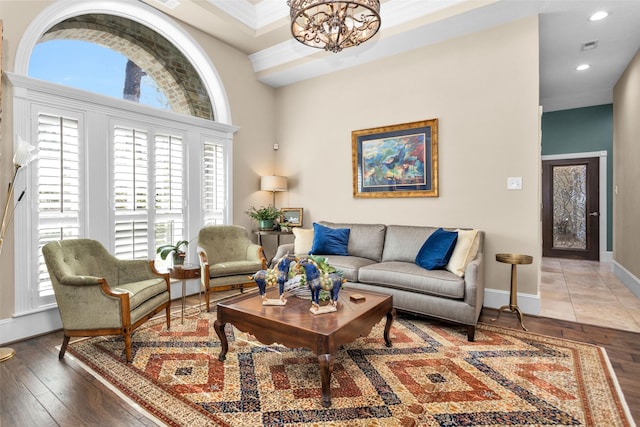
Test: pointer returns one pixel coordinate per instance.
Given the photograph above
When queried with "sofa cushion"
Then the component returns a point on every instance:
(144, 290)
(303, 241)
(413, 278)
(465, 251)
(349, 265)
(365, 240)
(231, 268)
(329, 241)
(437, 249)
(403, 242)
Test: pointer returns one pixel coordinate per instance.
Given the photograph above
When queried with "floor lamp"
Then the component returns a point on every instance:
(273, 183)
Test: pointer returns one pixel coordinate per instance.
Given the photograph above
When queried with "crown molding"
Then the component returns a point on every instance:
(253, 16)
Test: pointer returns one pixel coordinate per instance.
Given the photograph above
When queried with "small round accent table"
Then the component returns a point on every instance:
(6, 353)
(514, 260)
(184, 273)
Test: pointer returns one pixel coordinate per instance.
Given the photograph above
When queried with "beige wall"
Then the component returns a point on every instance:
(626, 174)
(483, 89)
(252, 110)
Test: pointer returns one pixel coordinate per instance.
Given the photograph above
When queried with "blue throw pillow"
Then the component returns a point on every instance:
(437, 250)
(329, 241)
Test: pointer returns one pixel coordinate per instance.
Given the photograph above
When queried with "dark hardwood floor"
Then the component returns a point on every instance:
(36, 389)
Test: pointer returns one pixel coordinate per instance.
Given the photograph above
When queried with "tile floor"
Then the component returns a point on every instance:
(587, 292)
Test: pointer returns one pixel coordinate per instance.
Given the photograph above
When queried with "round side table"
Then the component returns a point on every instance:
(184, 273)
(514, 260)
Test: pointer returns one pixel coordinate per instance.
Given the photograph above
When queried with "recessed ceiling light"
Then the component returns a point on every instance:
(583, 67)
(601, 14)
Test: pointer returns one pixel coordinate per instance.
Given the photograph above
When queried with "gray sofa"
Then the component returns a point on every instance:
(382, 259)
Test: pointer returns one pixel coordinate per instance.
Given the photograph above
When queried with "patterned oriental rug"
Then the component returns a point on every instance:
(432, 376)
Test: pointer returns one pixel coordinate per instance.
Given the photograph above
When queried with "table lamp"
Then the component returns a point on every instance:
(273, 183)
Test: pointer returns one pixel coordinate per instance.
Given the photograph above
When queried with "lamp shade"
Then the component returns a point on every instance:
(273, 183)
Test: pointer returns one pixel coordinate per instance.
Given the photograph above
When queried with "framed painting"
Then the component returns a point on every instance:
(396, 161)
(292, 216)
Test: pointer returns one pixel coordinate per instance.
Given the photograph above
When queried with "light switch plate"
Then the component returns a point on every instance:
(514, 183)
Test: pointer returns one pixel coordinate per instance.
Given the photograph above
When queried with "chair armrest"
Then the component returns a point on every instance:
(87, 283)
(88, 302)
(204, 268)
(256, 253)
(79, 280)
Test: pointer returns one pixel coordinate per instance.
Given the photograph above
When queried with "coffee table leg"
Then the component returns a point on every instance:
(219, 327)
(326, 367)
(387, 327)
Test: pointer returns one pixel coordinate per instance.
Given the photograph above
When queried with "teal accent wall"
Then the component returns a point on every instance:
(583, 130)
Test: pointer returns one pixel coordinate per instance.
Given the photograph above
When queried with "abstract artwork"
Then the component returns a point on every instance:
(396, 161)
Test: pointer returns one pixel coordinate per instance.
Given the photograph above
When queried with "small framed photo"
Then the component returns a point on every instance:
(292, 216)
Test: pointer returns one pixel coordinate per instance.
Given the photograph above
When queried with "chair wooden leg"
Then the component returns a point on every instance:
(168, 314)
(63, 347)
(206, 297)
(127, 345)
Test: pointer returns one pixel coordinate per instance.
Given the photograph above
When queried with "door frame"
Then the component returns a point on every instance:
(604, 255)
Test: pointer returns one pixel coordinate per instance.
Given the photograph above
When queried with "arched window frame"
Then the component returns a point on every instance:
(28, 92)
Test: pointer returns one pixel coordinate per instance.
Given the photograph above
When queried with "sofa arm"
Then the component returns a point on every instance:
(474, 283)
(283, 250)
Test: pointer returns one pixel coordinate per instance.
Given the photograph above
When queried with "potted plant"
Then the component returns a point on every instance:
(265, 216)
(179, 254)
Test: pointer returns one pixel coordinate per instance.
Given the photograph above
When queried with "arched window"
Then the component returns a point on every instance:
(130, 176)
(95, 68)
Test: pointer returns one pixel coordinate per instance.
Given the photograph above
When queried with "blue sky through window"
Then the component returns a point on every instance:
(90, 67)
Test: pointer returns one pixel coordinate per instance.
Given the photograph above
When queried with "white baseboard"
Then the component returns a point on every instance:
(496, 298)
(606, 256)
(25, 326)
(626, 277)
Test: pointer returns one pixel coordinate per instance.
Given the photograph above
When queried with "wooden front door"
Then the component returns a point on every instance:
(570, 208)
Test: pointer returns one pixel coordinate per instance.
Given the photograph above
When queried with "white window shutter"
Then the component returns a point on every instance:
(130, 192)
(214, 183)
(58, 176)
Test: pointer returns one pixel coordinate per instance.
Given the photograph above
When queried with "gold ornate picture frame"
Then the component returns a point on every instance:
(292, 216)
(396, 161)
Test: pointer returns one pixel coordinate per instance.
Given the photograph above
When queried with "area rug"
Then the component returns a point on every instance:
(431, 376)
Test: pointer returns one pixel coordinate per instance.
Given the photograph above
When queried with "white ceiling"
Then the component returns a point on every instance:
(260, 28)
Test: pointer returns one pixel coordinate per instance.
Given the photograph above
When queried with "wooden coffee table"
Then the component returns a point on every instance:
(294, 326)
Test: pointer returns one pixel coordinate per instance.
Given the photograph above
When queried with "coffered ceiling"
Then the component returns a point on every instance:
(260, 28)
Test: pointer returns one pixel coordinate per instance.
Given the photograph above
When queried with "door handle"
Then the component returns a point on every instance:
(594, 213)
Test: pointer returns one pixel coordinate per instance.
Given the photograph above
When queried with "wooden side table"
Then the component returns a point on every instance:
(184, 273)
(514, 260)
(276, 233)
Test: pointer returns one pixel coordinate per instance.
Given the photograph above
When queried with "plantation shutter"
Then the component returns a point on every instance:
(115, 173)
(58, 176)
(169, 177)
(130, 193)
(214, 183)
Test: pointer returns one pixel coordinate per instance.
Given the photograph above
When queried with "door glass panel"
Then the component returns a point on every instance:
(569, 207)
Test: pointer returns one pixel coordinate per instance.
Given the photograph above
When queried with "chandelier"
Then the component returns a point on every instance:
(334, 25)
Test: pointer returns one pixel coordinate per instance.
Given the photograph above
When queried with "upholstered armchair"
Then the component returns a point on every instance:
(228, 259)
(99, 294)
